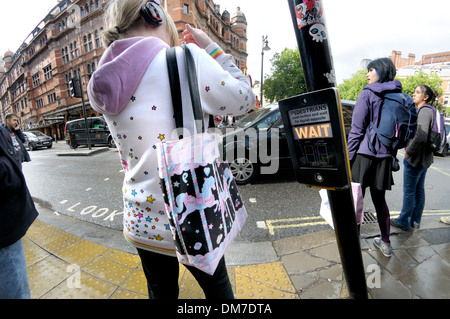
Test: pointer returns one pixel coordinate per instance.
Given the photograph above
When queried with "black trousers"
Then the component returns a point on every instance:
(162, 273)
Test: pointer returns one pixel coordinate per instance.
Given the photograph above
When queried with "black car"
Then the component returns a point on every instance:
(99, 134)
(257, 143)
(37, 139)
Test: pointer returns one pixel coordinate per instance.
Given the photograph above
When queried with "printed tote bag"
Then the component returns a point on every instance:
(203, 203)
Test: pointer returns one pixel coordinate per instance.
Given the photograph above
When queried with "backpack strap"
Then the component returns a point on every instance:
(374, 126)
(435, 116)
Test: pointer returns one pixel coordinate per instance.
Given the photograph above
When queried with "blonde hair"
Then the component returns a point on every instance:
(123, 15)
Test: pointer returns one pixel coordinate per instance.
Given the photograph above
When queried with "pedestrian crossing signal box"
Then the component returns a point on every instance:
(315, 133)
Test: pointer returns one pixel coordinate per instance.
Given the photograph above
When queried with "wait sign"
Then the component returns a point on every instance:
(314, 127)
(313, 131)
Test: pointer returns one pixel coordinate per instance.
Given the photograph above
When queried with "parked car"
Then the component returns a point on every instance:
(99, 134)
(443, 150)
(242, 144)
(37, 139)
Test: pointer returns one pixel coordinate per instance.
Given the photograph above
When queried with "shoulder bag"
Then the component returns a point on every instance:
(202, 201)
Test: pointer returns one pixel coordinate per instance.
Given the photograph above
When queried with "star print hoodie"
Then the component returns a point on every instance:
(131, 88)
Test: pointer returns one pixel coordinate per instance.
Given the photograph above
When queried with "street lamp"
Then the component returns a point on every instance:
(265, 47)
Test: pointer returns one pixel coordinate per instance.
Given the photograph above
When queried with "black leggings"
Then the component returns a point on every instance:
(162, 273)
(382, 209)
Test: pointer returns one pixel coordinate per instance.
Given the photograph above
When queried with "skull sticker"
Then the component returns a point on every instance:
(318, 32)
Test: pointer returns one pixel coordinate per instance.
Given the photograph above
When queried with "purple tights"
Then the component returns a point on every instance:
(379, 201)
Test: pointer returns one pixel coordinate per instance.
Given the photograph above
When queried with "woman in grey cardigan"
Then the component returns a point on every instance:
(418, 158)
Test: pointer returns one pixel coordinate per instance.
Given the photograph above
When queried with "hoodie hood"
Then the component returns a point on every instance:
(119, 72)
(384, 87)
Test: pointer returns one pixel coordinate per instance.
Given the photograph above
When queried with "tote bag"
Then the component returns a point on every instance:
(202, 201)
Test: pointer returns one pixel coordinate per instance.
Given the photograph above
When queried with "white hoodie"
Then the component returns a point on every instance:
(131, 88)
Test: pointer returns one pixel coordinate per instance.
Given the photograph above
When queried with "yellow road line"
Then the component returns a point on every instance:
(273, 224)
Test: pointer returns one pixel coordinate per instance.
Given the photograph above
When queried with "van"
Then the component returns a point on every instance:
(99, 134)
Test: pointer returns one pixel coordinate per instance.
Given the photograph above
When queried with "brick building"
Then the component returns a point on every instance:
(436, 63)
(34, 80)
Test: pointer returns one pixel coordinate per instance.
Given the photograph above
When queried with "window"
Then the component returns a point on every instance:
(48, 73)
(85, 44)
(65, 55)
(74, 50)
(39, 103)
(90, 42)
(97, 3)
(68, 77)
(186, 8)
(36, 80)
(97, 39)
(92, 5)
(51, 98)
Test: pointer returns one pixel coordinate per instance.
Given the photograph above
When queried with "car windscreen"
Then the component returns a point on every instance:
(252, 117)
(36, 134)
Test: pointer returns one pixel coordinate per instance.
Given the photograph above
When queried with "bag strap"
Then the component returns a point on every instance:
(191, 73)
(175, 89)
(174, 79)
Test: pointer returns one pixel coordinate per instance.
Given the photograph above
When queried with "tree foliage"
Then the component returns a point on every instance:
(432, 80)
(350, 88)
(287, 77)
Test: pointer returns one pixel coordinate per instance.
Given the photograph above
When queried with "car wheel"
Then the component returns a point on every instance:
(445, 151)
(111, 142)
(30, 147)
(243, 170)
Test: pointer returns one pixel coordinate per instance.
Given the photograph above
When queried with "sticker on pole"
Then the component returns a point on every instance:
(308, 13)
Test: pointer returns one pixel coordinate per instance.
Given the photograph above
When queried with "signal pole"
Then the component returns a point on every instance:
(312, 39)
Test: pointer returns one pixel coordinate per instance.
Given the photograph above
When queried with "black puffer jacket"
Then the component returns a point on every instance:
(17, 210)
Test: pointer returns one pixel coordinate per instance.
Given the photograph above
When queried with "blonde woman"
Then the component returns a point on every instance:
(131, 88)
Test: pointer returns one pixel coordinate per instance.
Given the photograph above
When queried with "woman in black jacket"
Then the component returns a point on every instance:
(17, 213)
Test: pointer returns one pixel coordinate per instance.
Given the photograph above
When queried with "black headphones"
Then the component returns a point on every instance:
(152, 12)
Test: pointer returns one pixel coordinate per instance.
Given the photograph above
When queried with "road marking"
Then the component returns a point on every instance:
(434, 212)
(63, 201)
(299, 222)
(106, 179)
(88, 189)
(261, 224)
(439, 170)
(287, 223)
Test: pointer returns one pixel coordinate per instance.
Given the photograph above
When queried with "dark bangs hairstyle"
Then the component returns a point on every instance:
(385, 69)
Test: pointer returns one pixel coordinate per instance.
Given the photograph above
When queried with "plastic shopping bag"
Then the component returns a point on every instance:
(358, 202)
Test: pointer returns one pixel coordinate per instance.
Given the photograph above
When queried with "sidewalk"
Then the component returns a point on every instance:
(72, 259)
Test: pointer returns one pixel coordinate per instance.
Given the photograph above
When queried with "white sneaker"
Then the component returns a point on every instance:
(384, 247)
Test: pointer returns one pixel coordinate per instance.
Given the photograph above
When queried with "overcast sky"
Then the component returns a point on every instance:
(357, 29)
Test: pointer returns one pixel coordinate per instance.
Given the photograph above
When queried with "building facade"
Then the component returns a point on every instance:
(34, 80)
(436, 63)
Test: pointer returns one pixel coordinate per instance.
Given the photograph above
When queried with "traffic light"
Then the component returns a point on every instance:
(75, 87)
